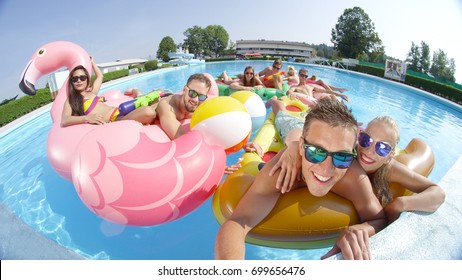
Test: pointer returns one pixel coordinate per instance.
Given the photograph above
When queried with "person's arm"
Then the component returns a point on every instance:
(239, 86)
(254, 206)
(330, 87)
(258, 82)
(168, 121)
(428, 195)
(264, 72)
(98, 78)
(68, 119)
(353, 241)
(291, 90)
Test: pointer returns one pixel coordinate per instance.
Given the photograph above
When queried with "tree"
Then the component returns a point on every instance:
(217, 39)
(323, 50)
(166, 45)
(413, 58)
(355, 33)
(195, 40)
(377, 54)
(442, 67)
(424, 61)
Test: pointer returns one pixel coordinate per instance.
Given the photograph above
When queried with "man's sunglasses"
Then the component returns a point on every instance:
(303, 75)
(194, 94)
(315, 154)
(381, 148)
(275, 67)
(75, 79)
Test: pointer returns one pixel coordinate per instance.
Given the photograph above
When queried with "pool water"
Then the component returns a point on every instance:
(50, 205)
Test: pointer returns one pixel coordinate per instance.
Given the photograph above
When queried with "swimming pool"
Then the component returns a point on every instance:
(49, 204)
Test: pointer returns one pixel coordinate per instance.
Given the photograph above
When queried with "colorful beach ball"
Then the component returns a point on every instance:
(254, 105)
(223, 121)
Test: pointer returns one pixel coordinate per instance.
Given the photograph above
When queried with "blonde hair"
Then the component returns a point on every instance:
(390, 122)
(379, 177)
(291, 67)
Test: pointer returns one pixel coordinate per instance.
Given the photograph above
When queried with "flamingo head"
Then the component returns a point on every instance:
(50, 58)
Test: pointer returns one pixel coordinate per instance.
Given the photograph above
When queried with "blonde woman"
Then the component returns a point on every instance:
(291, 76)
(376, 145)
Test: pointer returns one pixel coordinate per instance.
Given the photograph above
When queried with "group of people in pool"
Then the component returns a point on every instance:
(325, 152)
(301, 85)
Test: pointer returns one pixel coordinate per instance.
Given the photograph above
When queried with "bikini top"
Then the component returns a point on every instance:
(90, 104)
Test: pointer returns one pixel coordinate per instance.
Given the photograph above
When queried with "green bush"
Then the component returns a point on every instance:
(140, 68)
(150, 65)
(440, 89)
(115, 75)
(371, 70)
(26, 104)
(443, 90)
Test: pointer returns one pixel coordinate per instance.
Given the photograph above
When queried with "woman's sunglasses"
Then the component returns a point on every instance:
(75, 79)
(248, 73)
(276, 67)
(381, 148)
(194, 94)
(315, 154)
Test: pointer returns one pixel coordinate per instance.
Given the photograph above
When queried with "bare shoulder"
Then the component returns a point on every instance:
(398, 169)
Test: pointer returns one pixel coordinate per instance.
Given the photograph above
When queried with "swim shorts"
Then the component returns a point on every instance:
(285, 122)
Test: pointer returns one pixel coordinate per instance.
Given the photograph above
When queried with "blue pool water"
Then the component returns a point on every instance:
(50, 205)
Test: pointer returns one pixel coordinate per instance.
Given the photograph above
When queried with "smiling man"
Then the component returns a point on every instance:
(328, 164)
(271, 77)
(175, 108)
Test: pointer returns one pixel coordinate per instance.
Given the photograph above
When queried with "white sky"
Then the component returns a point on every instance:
(117, 29)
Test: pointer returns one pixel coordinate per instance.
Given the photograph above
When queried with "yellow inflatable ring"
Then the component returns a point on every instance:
(307, 223)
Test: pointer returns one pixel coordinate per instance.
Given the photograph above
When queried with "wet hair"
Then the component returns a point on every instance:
(200, 78)
(332, 112)
(75, 98)
(389, 121)
(379, 177)
(252, 81)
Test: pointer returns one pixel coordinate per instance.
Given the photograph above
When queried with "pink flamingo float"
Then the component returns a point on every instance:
(123, 171)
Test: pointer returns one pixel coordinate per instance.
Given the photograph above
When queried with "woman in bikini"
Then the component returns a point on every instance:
(84, 106)
(249, 81)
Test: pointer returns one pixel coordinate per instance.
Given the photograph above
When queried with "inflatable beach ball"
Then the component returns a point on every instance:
(223, 121)
(254, 105)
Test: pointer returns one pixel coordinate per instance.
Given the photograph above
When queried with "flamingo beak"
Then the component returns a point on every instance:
(26, 86)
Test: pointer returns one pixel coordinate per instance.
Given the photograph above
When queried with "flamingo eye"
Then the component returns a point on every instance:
(41, 52)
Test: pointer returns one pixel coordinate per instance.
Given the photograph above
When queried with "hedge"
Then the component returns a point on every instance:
(19, 107)
(443, 90)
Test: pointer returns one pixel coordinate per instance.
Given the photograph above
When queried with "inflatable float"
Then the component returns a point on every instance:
(311, 222)
(123, 171)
